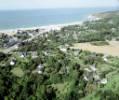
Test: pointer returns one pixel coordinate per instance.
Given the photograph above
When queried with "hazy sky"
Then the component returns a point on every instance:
(33, 4)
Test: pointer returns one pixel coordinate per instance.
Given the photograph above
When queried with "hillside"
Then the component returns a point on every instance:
(48, 68)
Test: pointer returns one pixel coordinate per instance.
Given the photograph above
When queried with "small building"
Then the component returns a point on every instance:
(103, 81)
(12, 62)
(63, 49)
(23, 54)
(96, 77)
(93, 68)
(85, 78)
(34, 54)
(11, 42)
(93, 18)
(39, 72)
(87, 70)
(40, 67)
(105, 58)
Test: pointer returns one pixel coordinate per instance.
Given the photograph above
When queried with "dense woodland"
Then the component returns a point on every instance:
(58, 72)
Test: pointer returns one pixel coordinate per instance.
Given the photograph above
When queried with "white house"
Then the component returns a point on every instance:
(63, 49)
(96, 77)
(93, 68)
(103, 81)
(105, 58)
(93, 18)
(12, 63)
(85, 78)
(87, 69)
(40, 67)
(39, 72)
(22, 56)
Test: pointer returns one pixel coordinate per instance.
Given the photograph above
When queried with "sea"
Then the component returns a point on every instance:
(14, 19)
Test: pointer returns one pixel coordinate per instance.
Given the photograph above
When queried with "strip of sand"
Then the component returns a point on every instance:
(46, 28)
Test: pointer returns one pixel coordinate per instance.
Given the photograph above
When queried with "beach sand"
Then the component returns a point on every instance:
(46, 28)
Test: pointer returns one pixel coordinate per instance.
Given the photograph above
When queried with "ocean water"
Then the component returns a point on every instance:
(42, 17)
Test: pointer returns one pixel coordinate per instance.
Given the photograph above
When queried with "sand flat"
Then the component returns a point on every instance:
(111, 49)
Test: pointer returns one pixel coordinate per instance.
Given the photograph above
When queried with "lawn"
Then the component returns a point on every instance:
(17, 72)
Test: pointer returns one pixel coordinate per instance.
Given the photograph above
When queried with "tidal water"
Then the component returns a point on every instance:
(34, 18)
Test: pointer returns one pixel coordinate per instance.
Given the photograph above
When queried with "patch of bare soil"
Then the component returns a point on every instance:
(111, 49)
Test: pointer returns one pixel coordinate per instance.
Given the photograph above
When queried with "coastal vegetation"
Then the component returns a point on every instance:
(48, 68)
(100, 43)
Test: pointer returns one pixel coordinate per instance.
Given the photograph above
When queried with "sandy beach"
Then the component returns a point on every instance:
(46, 28)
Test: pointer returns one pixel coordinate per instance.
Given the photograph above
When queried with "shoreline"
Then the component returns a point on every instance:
(45, 27)
(50, 27)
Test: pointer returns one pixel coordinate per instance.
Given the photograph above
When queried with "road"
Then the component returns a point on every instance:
(8, 50)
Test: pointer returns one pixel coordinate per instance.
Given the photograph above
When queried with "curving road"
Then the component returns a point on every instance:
(8, 50)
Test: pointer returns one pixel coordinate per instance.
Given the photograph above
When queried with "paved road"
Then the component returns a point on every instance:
(7, 50)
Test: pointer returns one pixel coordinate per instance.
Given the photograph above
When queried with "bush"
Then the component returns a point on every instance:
(100, 43)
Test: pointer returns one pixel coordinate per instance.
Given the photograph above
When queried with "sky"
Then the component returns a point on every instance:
(37, 4)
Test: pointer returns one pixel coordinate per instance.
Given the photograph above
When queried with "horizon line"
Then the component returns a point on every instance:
(19, 9)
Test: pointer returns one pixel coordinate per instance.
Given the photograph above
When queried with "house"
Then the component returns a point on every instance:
(20, 32)
(10, 41)
(77, 52)
(85, 78)
(103, 81)
(93, 18)
(37, 30)
(23, 54)
(12, 62)
(113, 30)
(49, 40)
(110, 22)
(34, 54)
(105, 58)
(87, 70)
(63, 49)
(40, 67)
(46, 53)
(93, 68)
(40, 72)
(67, 70)
(96, 77)
(88, 74)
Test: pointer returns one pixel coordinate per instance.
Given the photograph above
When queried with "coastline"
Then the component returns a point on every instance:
(46, 28)
(90, 17)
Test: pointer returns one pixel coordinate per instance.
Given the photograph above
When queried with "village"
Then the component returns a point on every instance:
(51, 60)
